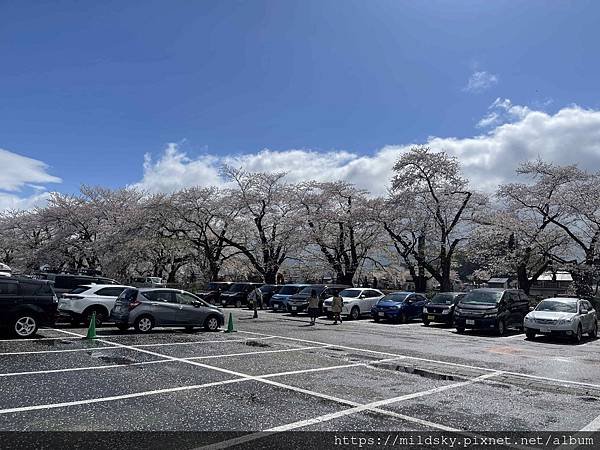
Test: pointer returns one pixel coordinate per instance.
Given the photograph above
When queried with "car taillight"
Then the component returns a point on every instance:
(72, 296)
(133, 304)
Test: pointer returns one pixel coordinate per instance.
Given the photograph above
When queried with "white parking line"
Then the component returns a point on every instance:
(162, 344)
(594, 425)
(416, 358)
(264, 379)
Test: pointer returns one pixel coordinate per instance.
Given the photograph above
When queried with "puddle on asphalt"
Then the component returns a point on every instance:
(256, 344)
(114, 359)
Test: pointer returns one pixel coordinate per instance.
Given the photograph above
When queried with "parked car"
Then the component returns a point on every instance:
(299, 301)
(441, 307)
(491, 308)
(25, 304)
(279, 300)
(356, 302)
(145, 308)
(65, 282)
(148, 282)
(399, 307)
(562, 316)
(268, 290)
(212, 293)
(79, 304)
(237, 294)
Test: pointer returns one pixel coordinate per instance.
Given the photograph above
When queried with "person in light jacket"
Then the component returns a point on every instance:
(336, 308)
(313, 306)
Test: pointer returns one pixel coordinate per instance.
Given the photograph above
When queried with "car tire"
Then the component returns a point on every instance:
(426, 323)
(101, 316)
(354, 313)
(460, 330)
(401, 318)
(376, 318)
(123, 327)
(24, 325)
(594, 331)
(144, 324)
(578, 335)
(294, 313)
(530, 334)
(500, 328)
(211, 323)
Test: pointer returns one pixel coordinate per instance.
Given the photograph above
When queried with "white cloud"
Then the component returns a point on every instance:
(570, 135)
(501, 111)
(20, 172)
(479, 81)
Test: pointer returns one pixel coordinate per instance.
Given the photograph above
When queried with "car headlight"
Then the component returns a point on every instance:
(528, 319)
(397, 307)
(457, 312)
(446, 311)
(424, 309)
(562, 322)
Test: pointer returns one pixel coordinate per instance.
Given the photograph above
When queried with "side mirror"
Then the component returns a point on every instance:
(531, 308)
(196, 304)
(362, 296)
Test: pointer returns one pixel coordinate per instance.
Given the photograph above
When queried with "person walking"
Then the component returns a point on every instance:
(313, 307)
(337, 303)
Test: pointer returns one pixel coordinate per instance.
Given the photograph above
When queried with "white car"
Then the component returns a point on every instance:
(81, 302)
(357, 301)
(562, 316)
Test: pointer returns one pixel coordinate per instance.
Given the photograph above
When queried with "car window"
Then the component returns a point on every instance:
(186, 299)
(160, 296)
(110, 291)
(8, 288)
(26, 288)
(371, 293)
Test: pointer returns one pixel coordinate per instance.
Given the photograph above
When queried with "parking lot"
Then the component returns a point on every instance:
(277, 373)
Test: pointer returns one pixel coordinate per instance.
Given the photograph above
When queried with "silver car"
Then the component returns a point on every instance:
(562, 316)
(145, 308)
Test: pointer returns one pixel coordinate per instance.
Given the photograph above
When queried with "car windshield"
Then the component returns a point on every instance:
(288, 290)
(352, 293)
(394, 298)
(557, 306)
(238, 287)
(443, 299)
(490, 297)
(307, 290)
(215, 286)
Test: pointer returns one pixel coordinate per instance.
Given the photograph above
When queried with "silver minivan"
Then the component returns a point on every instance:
(146, 308)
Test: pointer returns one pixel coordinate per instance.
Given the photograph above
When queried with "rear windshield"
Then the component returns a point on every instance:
(394, 298)
(289, 290)
(490, 297)
(79, 290)
(557, 306)
(127, 296)
(443, 299)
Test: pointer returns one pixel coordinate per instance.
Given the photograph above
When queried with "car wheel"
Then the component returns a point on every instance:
(144, 324)
(354, 313)
(238, 303)
(376, 318)
(578, 335)
(211, 323)
(530, 334)
(123, 327)
(460, 330)
(401, 318)
(24, 326)
(594, 331)
(500, 328)
(426, 323)
(294, 313)
(100, 316)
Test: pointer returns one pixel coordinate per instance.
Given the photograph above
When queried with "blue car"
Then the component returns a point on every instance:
(399, 307)
(279, 300)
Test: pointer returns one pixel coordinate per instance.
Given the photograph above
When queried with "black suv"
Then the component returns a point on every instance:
(65, 282)
(213, 291)
(25, 304)
(441, 307)
(299, 302)
(237, 294)
(495, 309)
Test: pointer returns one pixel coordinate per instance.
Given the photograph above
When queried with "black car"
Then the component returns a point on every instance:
(491, 309)
(212, 293)
(237, 294)
(65, 282)
(441, 307)
(299, 302)
(25, 304)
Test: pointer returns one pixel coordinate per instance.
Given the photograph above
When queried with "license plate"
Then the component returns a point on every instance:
(275, 306)
(470, 322)
(294, 308)
(430, 317)
(381, 314)
(544, 330)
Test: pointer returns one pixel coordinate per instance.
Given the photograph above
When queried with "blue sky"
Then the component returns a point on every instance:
(89, 88)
